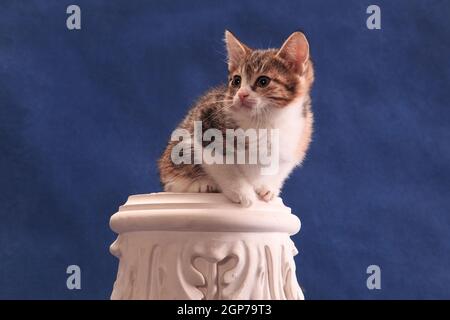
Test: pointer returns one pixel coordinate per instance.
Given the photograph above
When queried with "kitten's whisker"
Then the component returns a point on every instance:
(215, 102)
(218, 111)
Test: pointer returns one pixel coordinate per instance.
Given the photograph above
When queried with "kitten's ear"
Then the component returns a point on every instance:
(295, 50)
(236, 50)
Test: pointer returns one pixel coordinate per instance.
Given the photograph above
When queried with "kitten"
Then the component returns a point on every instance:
(266, 89)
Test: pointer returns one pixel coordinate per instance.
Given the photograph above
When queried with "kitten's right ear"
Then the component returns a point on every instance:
(236, 50)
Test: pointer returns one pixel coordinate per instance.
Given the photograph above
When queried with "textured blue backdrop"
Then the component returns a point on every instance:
(85, 114)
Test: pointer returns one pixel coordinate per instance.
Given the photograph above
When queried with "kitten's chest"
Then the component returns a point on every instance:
(283, 136)
(284, 129)
(290, 134)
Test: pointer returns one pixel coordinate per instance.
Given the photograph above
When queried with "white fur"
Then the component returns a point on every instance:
(242, 182)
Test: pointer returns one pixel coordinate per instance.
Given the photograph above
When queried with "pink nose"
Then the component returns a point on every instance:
(242, 95)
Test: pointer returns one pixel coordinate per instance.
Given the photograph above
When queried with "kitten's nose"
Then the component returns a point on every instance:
(243, 94)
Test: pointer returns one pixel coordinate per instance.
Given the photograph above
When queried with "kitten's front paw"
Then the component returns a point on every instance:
(203, 185)
(266, 193)
(243, 195)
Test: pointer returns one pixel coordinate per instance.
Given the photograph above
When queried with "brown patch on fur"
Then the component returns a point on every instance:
(208, 109)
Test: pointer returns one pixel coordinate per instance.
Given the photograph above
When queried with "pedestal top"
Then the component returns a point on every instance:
(205, 212)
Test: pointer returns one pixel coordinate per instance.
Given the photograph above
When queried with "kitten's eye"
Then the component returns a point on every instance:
(262, 81)
(236, 81)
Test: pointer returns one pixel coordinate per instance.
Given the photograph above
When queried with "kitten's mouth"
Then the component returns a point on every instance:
(247, 104)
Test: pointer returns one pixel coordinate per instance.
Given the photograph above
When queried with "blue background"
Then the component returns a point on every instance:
(84, 115)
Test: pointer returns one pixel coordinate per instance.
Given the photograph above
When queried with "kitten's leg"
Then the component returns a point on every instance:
(266, 192)
(268, 187)
(177, 184)
(203, 184)
(184, 184)
(232, 183)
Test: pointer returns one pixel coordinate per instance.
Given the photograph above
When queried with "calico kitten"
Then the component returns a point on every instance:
(266, 89)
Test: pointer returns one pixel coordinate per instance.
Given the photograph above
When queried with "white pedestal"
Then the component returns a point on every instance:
(202, 246)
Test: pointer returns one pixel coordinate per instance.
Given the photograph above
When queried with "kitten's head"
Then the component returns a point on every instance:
(261, 80)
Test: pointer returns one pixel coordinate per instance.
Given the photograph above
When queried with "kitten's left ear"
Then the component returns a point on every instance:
(236, 50)
(295, 50)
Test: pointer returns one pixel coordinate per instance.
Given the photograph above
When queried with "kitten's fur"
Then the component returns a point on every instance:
(284, 104)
